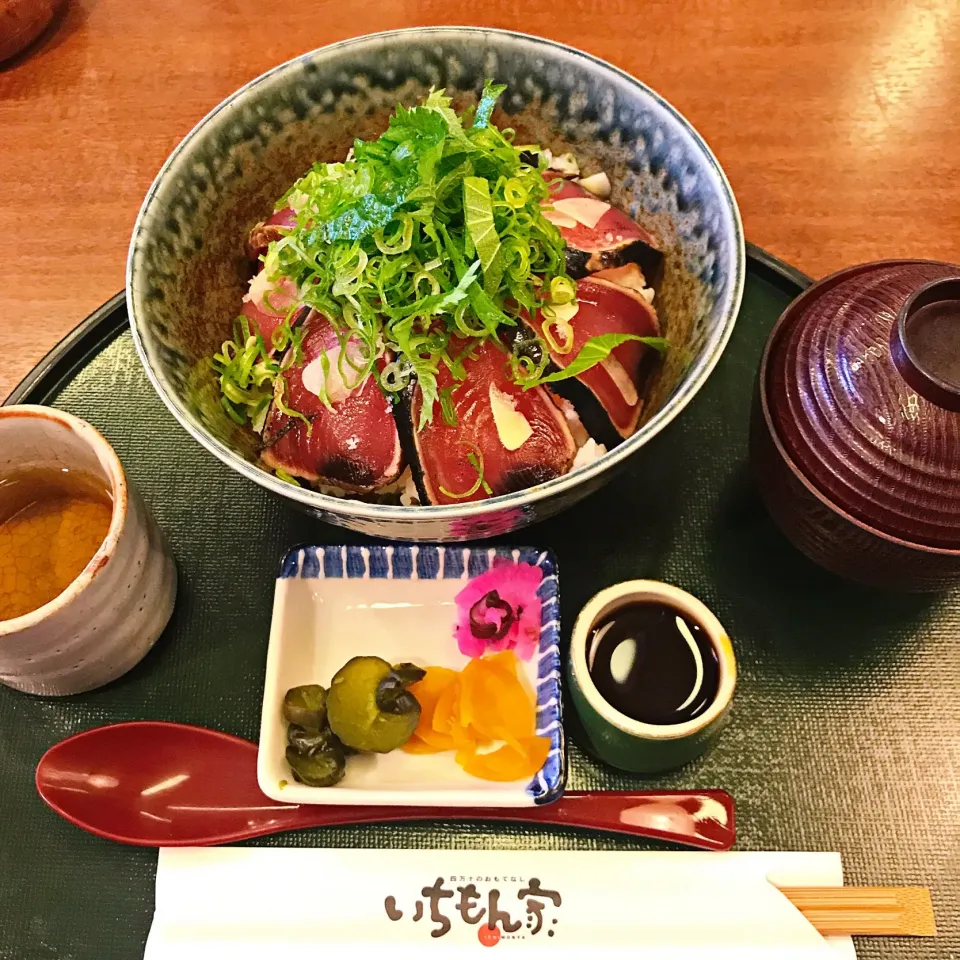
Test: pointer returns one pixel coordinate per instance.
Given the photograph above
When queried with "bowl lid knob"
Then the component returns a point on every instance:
(925, 342)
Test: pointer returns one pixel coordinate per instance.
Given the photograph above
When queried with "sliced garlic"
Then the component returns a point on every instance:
(586, 210)
(297, 200)
(281, 292)
(559, 219)
(259, 285)
(598, 184)
(512, 426)
(566, 165)
(337, 389)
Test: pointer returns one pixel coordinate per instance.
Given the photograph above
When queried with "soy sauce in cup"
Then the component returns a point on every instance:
(651, 674)
(653, 663)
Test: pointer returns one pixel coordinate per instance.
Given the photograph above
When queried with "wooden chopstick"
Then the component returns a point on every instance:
(866, 911)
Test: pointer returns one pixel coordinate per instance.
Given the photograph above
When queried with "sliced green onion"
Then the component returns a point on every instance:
(515, 193)
(431, 280)
(232, 411)
(460, 319)
(516, 256)
(350, 272)
(523, 369)
(395, 376)
(562, 290)
(401, 243)
(280, 387)
(563, 345)
(446, 407)
(475, 459)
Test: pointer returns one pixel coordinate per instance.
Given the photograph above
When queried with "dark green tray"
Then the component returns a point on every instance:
(846, 726)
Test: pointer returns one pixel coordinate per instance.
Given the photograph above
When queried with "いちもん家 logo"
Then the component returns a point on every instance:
(513, 909)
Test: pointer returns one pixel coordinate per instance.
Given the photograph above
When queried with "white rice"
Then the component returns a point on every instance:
(589, 452)
(408, 489)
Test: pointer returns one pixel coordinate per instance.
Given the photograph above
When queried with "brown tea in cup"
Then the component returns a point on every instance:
(52, 522)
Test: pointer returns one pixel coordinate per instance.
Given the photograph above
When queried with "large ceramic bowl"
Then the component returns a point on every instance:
(187, 271)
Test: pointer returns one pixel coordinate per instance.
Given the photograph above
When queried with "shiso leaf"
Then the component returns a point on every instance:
(482, 230)
(488, 100)
(595, 351)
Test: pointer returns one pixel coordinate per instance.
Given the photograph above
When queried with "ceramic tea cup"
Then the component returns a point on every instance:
(105, 620)
(620, 740)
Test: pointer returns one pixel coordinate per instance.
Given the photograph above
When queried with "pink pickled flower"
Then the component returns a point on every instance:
(507, 592)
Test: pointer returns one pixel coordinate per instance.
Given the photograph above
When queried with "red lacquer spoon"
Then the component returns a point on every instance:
(157, 784)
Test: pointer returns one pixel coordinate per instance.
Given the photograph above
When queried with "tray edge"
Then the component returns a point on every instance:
(96, 330)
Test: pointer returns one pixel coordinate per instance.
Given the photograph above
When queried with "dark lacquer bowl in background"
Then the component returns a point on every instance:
(187, 269)
(855, 435)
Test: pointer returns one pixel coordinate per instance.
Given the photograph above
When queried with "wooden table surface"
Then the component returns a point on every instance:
(835, 120)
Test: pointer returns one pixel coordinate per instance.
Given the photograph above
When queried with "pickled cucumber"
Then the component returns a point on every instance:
(369, 707)
(306, 706)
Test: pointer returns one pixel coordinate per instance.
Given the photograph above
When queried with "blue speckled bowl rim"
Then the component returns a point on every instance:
(691, 382)
(429, 561)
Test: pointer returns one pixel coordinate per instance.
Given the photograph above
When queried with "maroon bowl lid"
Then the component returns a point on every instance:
(862, 385)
